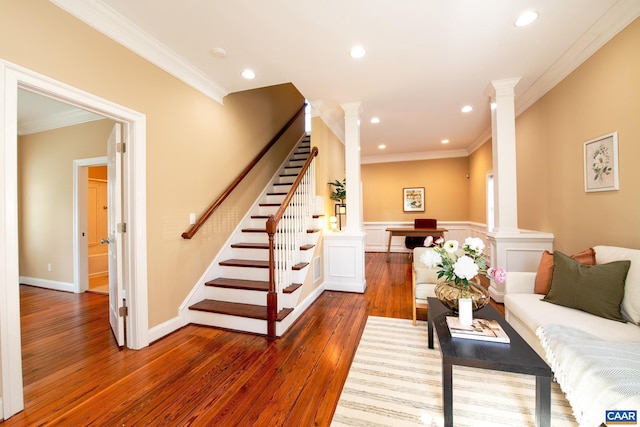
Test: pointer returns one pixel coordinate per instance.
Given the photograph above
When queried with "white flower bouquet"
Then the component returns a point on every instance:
(460, 265)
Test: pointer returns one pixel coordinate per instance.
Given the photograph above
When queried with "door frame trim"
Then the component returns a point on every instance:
(80, 249)
(12, 77)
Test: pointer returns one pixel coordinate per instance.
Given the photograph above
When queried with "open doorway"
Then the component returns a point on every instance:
(132, 245)
(97, 229)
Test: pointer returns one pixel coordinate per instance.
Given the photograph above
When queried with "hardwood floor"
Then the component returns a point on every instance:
(74, 374)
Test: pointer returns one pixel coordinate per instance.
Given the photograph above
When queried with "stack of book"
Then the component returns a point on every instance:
(480, 329)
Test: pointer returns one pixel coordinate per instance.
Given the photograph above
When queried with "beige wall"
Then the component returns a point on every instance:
(330, 164)
(480, 162)
(45, 176)
(195, 146)
(444, 180)
(599, 97)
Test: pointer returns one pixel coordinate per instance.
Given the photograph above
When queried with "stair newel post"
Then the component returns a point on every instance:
(272, 295)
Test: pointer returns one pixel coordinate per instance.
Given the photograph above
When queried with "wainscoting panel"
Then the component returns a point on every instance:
(377, 238)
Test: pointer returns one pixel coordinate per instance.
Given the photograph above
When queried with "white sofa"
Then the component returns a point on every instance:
(598, 370)
(526, 312)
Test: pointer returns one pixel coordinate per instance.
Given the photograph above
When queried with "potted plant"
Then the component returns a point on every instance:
(339, 191)
(339, 195)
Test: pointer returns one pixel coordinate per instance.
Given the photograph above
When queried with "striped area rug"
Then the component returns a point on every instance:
(395, 380)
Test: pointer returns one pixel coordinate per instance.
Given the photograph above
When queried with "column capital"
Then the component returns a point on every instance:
(502, 87)
(352, 108)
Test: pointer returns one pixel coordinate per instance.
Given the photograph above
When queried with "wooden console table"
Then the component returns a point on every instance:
(412, 231)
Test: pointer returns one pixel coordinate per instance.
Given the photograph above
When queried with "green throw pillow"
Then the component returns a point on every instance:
(596, 289)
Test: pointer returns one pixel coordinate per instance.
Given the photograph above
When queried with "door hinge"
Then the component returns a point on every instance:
(123, 311)
(122, 227)
(121, 147)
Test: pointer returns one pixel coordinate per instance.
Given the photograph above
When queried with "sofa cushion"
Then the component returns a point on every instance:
(596, 289)
(427, 275)
(425, 290)
(545, 268)
(531, 311)
(631, 302)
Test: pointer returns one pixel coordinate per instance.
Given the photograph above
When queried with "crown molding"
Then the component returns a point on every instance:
(55, 121)
(106, 20)
(608, 26)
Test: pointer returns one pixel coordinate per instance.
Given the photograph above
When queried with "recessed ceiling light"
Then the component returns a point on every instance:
(358, 52)
(445, 141)
(375, 120)
(526, 18)
(248, 74)
(467, 109)
(219, 53)
(382, 146)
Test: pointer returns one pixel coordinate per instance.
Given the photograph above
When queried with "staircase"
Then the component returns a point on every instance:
(237, 297)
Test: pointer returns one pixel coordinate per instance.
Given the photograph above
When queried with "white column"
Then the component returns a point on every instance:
(509, 247)
(503, 124)
(352, 112)
(344, 251)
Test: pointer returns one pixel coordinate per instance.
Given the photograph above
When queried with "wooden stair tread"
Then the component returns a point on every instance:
(292, 288)
(250, 245)
(245, 263)
(250, 285)
(254, 230)
(265, 246)
(238, 309)
(300, 266)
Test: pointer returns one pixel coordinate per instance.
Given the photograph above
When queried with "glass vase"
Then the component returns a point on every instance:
(449, 293)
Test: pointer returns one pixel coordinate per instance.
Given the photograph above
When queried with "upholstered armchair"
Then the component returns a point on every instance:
(423, 282)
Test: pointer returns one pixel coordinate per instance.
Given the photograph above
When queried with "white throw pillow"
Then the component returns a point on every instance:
(630, 307)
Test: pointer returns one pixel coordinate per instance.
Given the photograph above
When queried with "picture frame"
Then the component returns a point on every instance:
(413, 199)
(601, 163)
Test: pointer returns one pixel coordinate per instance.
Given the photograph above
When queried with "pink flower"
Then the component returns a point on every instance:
(428, 241)
(499, 274)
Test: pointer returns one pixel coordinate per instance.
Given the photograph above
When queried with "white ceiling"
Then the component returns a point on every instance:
(425, 58)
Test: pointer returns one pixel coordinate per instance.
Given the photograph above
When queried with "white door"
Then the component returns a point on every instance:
(114, 175)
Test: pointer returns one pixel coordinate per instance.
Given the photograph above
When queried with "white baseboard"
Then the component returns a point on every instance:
(166, 328)
(48, 284)
(358, 287)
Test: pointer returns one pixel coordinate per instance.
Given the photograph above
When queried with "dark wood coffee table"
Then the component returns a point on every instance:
(517, 356)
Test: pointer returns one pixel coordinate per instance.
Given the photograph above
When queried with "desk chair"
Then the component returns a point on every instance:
(412, 242)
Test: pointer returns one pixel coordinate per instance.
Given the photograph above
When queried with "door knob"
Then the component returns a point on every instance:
(103, 241)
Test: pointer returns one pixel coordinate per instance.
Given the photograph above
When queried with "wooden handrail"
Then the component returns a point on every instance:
(273, 220)
(272, 226)
(207, 214)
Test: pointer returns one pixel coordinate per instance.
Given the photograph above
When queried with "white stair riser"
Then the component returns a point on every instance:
(242, 296)
(225, 321)
(254, 254)
(281, 188)
(267, 210)
(254, 238)
(274, 198)
(246, 273)
(286, 179)
(288, 170)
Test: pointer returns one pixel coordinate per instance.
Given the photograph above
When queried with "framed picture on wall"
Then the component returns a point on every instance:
(413, 199)
(601, 163)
